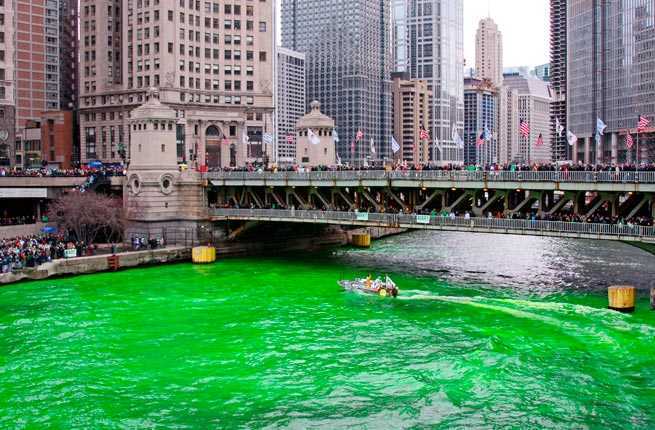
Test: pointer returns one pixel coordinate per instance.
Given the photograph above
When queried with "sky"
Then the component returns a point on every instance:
(525, 26)
(524, 23)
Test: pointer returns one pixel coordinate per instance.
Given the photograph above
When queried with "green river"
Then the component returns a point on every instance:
(488, 332)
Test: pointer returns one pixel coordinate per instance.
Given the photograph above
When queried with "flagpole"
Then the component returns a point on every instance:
(637, 166)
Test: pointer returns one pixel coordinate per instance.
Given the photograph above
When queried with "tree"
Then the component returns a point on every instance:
(86, 215)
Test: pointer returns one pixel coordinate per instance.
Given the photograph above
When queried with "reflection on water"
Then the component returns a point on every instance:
(535, 264)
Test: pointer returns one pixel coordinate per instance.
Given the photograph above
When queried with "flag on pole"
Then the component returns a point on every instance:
(267, 138)
(244, 137)
(629, 141)
(290, 138)
(487, 134)
(372, 146)
(480, 140)
(423, 134)
(540, 140)
(335, 136)
(359, 136)
(313, 138)
(456, 138)
(524, 128)
(559, 128)
(338, 160)
(395, 147)
(600, 127)
(642, 124)
(572, 138)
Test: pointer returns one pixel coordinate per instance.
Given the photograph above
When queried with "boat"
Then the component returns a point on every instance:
(386, 288)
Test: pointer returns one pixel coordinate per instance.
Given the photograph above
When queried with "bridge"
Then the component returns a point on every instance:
(545, 194)
(576, 230)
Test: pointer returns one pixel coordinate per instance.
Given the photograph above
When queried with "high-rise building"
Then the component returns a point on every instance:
(610, 76)
(508, 125)
(348, 61)
(411, 114)
(542, 72)
(480, 114)
(534, 100)
(7, 85)
(558, 58)
(489, 52)
(433, 50)
(291, 101)
(212, 62)
(44, 48)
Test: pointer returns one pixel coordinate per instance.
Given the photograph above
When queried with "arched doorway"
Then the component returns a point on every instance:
(213, 146)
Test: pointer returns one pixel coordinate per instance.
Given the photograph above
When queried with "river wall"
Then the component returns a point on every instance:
(244, 248)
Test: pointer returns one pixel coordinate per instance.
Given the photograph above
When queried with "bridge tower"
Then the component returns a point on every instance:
(160, 199)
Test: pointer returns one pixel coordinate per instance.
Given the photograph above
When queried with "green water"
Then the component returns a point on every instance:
(254, 343)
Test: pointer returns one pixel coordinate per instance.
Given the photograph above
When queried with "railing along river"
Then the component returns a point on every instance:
(617, 231)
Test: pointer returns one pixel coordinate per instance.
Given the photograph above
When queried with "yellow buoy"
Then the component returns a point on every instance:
(621, 298)
(383, 293)
(361, 240)
(203, 255)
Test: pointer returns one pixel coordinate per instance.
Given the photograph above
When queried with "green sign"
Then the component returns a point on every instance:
(362, 216)
(422, 219)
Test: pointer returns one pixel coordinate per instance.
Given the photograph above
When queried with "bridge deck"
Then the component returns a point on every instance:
(538, 181)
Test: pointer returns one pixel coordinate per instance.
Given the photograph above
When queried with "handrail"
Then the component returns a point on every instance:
(421, 221)
(623, 177)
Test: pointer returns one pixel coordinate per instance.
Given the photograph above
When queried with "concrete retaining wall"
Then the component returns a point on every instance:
(98, 263)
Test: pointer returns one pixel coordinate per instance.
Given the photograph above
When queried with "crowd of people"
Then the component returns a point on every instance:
(32, 251)
(17, 220)
(511, 167)
(46, 172)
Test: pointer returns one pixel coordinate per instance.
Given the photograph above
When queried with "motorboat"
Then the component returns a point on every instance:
(382, 288)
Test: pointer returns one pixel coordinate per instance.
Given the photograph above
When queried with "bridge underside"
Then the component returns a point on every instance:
(517, 203)
(437, 223)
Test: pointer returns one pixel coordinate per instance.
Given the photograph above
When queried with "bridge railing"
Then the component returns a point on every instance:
(444, 175)
(422, 221)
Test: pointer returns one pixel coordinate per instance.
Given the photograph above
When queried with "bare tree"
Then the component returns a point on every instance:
(86, 215)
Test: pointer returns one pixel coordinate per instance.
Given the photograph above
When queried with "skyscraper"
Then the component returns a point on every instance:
(212, 62)
(411, 114)
(348, 61)
(489, 52)
(433, 50)
(558, 77)
(610, 76)
(481, 109)
(291, 101)
(7, 86)
(534, 109)
(44, 50)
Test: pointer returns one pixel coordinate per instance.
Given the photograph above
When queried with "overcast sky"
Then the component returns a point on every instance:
(525, 26)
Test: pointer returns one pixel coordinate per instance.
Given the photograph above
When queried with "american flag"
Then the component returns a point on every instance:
(359, 136)
(540, 140)
(424, 135)
(629, 141)
(480, 139)
(290, 138)
(643, 124)
(524, 129)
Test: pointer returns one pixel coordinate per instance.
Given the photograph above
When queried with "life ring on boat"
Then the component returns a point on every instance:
(382, 292)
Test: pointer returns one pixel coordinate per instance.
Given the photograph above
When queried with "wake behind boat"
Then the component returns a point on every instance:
(386, 288)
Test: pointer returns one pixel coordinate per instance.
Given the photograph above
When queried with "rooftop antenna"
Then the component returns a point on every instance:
(488, 8)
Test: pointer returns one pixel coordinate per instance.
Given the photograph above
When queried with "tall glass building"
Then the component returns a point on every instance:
(610, 75)
(429, 44)
(347, 44)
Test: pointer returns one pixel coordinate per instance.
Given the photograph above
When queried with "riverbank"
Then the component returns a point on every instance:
(177, 254)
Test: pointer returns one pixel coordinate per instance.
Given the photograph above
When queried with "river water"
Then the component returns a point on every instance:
(488, 331)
